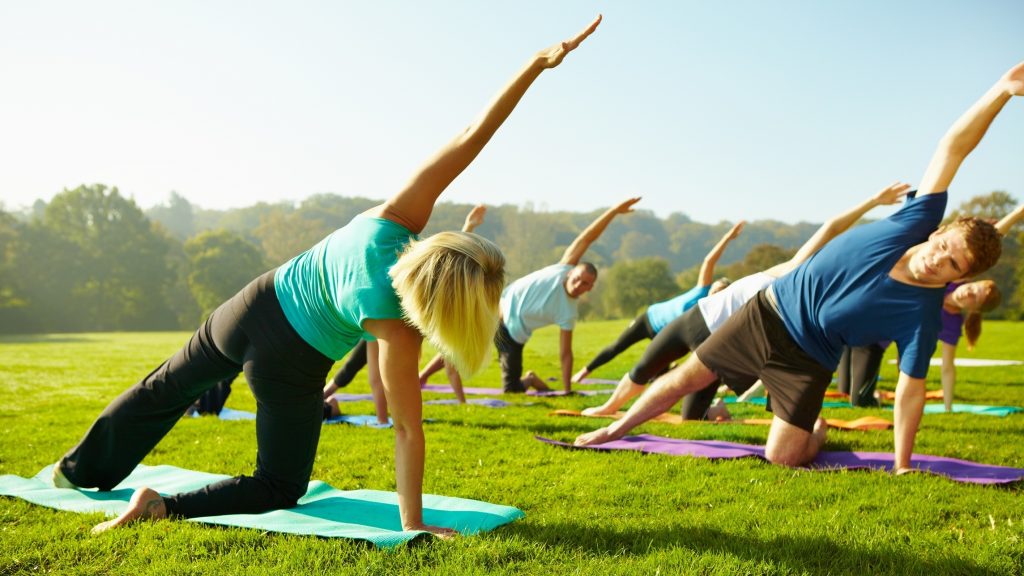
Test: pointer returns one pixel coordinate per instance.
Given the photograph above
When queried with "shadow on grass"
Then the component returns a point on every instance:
(811, 554)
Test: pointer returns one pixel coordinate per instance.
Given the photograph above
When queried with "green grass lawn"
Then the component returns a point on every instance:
(586, 513)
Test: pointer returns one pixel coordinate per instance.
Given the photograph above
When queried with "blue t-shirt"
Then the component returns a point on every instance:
(327, 291)
(843, 295)
(659, 315)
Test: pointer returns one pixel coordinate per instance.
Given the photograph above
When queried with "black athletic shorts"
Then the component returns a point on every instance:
(754, 343)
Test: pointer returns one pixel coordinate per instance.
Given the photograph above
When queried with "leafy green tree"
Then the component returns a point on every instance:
(12, 296)
(222, 263)
(630, 286)
(118, 270)
(176, 216)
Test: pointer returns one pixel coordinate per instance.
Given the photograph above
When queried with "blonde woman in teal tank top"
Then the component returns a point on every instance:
(371, 279)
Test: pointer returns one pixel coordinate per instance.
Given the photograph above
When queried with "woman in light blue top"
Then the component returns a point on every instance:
(372, 280)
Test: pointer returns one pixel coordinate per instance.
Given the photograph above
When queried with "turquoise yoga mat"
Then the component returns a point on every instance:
(973, 409)
(325, 511)
(762, 401)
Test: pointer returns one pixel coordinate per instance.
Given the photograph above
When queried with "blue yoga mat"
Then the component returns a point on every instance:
(324, 511)
(229, 414)
(358, 420)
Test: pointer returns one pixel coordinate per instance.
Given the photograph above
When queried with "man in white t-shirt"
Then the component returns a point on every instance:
(547, 296)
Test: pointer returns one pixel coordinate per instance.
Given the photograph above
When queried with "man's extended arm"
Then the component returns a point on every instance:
(574, 253)
(707, 268)
(965, 134)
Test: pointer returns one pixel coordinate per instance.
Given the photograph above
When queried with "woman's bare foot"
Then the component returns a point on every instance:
(820, 431)
(719, 413)
(146, 504)
(60, 480)
(597, 411)
(531, 380)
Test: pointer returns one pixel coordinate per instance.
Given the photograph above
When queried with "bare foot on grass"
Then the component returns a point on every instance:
(719, 413)
(531, 380)
(146, 504)
(60, 480)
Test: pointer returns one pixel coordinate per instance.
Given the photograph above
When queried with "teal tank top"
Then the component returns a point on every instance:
(327, 291)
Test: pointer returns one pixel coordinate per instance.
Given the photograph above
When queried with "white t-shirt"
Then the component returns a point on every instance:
(717, 308)
(536, 300)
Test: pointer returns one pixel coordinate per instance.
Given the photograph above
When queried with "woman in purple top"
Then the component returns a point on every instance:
(961, 311)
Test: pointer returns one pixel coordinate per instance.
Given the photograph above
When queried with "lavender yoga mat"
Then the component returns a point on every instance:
(347, 397)
(466, 389)
(958, 470)
(488, 402)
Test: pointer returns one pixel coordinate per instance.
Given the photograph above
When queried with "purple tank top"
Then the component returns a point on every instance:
(952, 324)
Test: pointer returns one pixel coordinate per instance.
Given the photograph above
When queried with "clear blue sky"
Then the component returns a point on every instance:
(721, 110)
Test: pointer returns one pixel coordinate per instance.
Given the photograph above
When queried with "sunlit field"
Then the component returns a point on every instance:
(586, 513)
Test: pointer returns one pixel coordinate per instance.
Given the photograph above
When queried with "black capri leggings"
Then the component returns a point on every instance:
(356, 362)
(286, 376)
(639, 329)
(674, 341)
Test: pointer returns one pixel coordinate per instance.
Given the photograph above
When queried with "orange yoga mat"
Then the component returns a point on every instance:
(929, 395)
(865, 423)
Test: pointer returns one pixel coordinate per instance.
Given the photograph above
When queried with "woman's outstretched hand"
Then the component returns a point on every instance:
(554, 55)
(1013, 79)
(626, 206)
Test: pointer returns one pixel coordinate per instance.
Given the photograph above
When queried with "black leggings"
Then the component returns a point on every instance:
(674, 341)
(286, 376)
(356, 361)
(857, 373)
(510, 356)
(639, 329)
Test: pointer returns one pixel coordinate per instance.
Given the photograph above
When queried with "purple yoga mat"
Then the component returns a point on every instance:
(959, 470)
(466, 389)
(499, 391)
(489, 402)
(598, 381)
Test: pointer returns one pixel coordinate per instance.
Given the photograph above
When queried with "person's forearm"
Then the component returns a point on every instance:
(834, 227)
(965, 134)
(906, 418)
(567, 360)
(409, 456)
(1007, 222)
(329, 389)
(594, 230)
(707, 267)
(961, 139)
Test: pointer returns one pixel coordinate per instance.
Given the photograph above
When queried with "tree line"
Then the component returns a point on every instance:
(92, 260)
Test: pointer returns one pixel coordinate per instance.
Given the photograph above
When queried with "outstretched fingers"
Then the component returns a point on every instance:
(553, 56)
(627, 206)
(893, 193)
(1014, 79)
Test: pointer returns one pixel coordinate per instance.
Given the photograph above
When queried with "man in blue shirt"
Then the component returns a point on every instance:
(884, 280)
